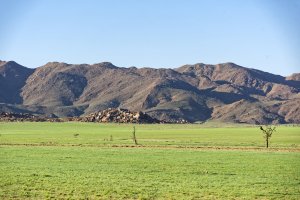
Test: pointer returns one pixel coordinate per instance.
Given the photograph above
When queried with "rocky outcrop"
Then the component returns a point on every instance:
(22, 117)
(110, 115)
(119, 116)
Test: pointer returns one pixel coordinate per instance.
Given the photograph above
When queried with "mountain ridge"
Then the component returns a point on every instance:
(199, 92)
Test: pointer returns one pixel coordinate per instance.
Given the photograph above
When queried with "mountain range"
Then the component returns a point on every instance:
(224, 92)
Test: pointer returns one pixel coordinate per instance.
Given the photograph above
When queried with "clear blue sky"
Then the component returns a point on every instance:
(262, 34)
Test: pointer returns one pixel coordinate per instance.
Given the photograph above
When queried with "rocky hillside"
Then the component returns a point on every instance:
(12, 78)
(200, 92)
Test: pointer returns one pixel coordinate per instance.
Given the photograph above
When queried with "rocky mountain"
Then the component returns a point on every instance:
(12, 78)
(200, 92)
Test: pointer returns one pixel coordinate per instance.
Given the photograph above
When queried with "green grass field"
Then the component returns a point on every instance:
(214, 161)
(92, 134)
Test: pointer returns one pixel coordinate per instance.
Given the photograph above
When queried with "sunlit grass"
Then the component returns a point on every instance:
(153, 134)
(113, 173)
(81, 161)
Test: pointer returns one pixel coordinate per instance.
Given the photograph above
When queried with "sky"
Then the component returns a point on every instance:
(261, 34)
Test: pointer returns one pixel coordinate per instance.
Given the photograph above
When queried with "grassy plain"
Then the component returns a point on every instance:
(48, 160)
(92, 134)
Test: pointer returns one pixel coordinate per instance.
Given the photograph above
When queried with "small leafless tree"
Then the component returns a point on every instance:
(268, 131)
(134, 136)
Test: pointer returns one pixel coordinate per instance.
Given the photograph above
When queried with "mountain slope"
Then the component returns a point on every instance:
(223, 92)
(12, 79)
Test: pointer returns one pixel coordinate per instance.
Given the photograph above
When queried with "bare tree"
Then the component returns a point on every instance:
(268, 131)
(134, 136)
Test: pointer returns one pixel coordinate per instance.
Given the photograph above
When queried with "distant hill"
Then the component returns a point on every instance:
(223, 92)
(12, 78)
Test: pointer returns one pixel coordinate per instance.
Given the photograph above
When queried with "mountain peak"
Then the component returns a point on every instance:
(2, 62)
(57, 64)
(9, 63)
(13, 67)
(12, 78)
(106, 65)
(294, 77)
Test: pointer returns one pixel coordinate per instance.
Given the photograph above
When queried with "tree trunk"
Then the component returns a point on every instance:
(134, 136)
(267, 142)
